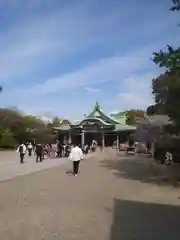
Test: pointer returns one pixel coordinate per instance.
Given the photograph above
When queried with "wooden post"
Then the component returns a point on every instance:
(64, 139)
(82, 139)
(103, 141)
(117, 143)
(69, 139)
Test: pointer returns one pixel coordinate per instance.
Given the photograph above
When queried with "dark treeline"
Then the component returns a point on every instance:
(16, 127)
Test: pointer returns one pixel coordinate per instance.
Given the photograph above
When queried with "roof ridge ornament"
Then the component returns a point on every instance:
(97, 106)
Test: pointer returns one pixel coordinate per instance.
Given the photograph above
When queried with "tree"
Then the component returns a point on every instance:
(44, 136)
(176, 5)
(16, 127)
(166, 87)
(7, 139)
(169, 59)
(33, 123)
(155, 109)
(133, 115)
(56, 121)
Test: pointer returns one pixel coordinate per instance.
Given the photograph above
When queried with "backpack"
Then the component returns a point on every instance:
(21, 149)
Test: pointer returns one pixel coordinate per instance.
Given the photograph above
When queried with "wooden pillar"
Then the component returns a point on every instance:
(65, 139)
(103, 141)
(82, 138)
(117, 142)
(69, 138)
(57, 136)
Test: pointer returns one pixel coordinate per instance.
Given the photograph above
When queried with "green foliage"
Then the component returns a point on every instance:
(166, 87)
(169, 59)
(7, 139)
(32, 122)
(45, 136)
(176, 5)
(155, 109)
(133, 115)
(16, 127)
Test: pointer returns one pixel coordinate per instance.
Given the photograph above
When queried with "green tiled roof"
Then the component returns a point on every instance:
(124, 127)
(63, 128)
(120, 118)
(97, 112)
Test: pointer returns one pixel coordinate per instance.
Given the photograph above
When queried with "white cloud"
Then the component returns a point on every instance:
(121, 71)
(101, 71)
(27, 46)
(92, 90)
(48, 38)
(137, 91)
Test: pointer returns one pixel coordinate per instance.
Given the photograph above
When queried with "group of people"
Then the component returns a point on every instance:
(75, 153)
(63, 150)
(41, 151)
(90, 147)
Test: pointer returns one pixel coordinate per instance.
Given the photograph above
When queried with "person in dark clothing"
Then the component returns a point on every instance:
(39, 152)
(59, 149)
(67, 150)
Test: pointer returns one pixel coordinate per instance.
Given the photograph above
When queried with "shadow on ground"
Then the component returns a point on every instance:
(142, 168)
(144, 221)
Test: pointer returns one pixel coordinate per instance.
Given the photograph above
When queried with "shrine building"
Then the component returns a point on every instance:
(103, 128)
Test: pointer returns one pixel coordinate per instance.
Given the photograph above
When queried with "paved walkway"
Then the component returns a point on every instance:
(11, 168)
(113, 198)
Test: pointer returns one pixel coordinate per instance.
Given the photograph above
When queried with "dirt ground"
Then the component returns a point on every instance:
(113, 198)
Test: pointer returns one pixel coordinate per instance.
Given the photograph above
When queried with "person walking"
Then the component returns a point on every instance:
(30, 147)
(76, 156)
(59, 149)
(39, 152)
(22, 151)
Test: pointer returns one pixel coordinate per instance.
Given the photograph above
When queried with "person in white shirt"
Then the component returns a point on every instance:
(22, 151)
(30, 147)
(76, 156)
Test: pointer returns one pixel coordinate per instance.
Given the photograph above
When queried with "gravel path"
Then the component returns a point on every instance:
(113, 198)
(11, 168)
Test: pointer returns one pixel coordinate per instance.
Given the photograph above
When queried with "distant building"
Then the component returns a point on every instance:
(97, 125)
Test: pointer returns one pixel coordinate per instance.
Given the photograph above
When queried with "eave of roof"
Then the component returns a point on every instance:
(118, 127)
(62, 128)
(93, 118)
(124, 127)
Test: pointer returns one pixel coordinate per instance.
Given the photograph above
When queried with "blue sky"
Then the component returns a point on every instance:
(58, 57)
